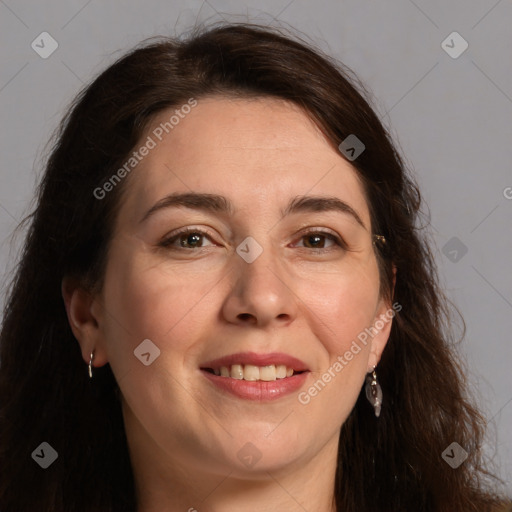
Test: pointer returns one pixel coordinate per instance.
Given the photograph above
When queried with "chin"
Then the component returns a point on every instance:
(256, 454)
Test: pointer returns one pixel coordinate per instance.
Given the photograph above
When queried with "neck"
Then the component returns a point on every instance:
(294, 493)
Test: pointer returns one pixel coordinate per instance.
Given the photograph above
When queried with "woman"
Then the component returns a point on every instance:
(224, 304)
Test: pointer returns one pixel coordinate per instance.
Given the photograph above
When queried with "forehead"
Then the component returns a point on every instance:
(258, 152)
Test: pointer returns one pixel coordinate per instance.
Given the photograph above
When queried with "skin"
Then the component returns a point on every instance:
(197, 304)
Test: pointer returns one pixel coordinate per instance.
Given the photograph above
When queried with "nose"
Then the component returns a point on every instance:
(261, 293)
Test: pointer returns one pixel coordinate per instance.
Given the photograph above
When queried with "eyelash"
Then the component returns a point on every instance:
(167, 242)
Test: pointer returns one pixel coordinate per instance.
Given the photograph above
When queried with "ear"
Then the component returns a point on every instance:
(84, 313)
(382, 323)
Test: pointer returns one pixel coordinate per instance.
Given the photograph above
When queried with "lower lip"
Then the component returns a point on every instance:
(261, 391)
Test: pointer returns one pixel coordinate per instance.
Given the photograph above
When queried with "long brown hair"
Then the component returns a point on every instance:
(392, 463)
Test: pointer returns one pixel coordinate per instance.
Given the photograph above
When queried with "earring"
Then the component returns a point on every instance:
(374, 391)
(90, 364)
(379, 238)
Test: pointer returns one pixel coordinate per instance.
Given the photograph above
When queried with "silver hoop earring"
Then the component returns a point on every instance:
(90, 365)
(374, 392)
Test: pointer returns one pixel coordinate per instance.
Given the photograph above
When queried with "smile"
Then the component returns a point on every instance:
(253, 373)
(259, 377)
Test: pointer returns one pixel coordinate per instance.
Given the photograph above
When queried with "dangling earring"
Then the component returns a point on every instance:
(90, 364)
(374, 391)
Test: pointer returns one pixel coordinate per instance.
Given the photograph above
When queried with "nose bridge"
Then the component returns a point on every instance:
(261, 290)
(263, 270)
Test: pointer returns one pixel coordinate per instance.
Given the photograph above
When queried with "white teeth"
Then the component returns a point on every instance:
(237, 371)
(268, 373)
(253, 373)
(280, 371)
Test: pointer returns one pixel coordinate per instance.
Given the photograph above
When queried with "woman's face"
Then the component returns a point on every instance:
(278, 269)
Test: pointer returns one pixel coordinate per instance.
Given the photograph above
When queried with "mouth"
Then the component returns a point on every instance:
(256, 376)
(254, 373)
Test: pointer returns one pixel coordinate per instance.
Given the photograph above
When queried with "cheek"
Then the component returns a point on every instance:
(339, 312)
(144, 300)
(340, 305)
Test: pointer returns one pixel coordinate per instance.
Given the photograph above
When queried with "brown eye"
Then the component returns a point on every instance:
(190, 240)
(315, 241)
(186, 239)
(321, 240)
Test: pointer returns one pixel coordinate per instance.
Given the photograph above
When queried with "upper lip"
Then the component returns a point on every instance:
(255, 359)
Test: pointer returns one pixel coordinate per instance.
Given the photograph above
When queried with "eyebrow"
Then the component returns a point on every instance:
(220, 204)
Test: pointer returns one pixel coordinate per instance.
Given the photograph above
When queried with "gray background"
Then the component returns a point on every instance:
(451, 117)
